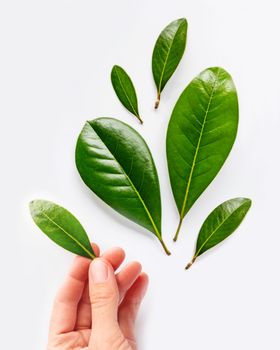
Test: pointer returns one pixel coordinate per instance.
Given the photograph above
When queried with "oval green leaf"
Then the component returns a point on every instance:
(200, 135)
(116, 164)
(61, 227)
(125, 90)
(167, 54)
(220, 224)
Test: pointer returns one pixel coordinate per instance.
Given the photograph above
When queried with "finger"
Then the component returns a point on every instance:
(96, 249)
(125, 278)
(128, 309)
(83, 320)
(65, 306)
(104, 298)
(115, 256)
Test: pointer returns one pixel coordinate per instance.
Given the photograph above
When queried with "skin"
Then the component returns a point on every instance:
(96, 308)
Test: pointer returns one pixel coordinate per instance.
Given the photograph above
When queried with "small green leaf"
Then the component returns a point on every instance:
(125, 90)
(61, 227)
(167, 54)
(220, 224)
(116, 164)
(200, 135)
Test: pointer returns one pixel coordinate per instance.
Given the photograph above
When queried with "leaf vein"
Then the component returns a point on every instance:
(129, 101)
(197, 148)
(68, 234)
(167, 57)
(135, 190)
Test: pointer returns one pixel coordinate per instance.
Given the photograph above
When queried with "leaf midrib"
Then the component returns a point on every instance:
(133, 187)
(68, 234)
(136, 113)
(167, 56)
(197, 147)
(217, 228)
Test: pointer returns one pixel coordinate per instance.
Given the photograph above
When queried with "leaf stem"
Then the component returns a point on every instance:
(157, 101)
(178, 230)
(164, 247)
(140, 119)
(190, 263)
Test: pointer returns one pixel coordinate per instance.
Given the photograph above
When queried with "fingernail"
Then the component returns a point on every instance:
(99, 271)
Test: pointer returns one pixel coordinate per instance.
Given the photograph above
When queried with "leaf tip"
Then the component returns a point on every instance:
(249, 201)
(115, 67)
(183, 20)
(113, 73)
(31, 205)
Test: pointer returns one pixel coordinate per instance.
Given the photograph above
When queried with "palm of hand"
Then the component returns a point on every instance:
(79, 340)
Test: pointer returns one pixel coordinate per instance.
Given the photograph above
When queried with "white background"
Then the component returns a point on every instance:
(56, 57)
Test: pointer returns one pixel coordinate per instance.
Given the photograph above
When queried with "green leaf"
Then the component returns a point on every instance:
(168, 51)
(116, 164)
(200, 135)
(125, 90)
(61, 227)
(220, 224)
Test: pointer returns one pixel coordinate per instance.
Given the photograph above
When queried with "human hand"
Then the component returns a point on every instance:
(95, 308)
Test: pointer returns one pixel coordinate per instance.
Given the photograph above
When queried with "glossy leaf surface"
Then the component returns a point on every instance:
(61, 227)
(168, 51)
(200, 135)
(125, 90)
(220, 224)
(115, 163)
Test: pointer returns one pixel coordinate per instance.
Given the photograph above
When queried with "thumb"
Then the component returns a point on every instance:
(104, 298)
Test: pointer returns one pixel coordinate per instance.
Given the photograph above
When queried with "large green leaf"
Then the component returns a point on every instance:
(200, 135)
(220, 224)
(115, 163)
(168, 51)
(125, 90)
(61, 227)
